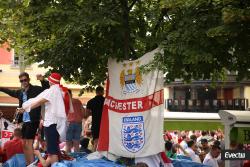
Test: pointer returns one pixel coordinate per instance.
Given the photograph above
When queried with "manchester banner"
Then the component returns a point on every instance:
(132, 119)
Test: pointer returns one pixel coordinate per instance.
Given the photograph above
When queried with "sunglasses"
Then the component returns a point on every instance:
(24, 80)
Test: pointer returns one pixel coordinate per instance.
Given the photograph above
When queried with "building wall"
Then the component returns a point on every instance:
(166, 93)
(171, 92)
(236, 93)
(166, 96)
(247, 94)
(5, 55)
(220, 93)
(179, 94)
(8, 112)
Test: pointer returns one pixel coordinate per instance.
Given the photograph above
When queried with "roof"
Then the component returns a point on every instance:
(231, 81)
(191, 116)
(8, 105)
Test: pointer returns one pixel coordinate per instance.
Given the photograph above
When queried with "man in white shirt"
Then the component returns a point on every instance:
(191, 151)
(55, 113)
(213, 156)
(183, 144)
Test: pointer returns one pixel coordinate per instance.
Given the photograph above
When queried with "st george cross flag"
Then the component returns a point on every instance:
(132, 119)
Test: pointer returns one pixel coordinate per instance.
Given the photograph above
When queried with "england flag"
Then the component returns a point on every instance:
(133, 114)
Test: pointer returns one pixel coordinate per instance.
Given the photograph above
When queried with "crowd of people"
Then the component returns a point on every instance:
(201, 147)
(47, 113)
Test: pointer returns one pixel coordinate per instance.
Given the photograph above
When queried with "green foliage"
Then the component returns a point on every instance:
(77, 37)
(201, 39)
(205, 39)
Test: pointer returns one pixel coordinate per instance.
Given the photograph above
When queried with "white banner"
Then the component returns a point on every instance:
(7, 129)
(132, 120)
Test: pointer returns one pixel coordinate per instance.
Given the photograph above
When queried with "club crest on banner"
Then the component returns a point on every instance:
(131, 78)
(133, 135)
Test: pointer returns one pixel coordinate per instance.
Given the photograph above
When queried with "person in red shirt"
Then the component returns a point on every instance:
(14, 146)
(75, 125)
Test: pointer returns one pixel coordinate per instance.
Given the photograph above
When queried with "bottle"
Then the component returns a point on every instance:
(16, 116)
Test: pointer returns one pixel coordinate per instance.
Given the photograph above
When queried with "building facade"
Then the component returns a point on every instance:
(203, 96)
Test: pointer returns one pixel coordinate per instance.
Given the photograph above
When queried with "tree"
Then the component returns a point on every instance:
(201, 39)
(12, 28)
(77, 37)
(205, 39)
(234, 33)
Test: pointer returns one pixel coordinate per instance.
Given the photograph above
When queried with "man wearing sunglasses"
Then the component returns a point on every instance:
(30, 120)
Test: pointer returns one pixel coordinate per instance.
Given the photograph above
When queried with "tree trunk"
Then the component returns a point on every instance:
(21, 63)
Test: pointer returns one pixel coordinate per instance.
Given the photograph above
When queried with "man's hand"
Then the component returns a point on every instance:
(37, 153)
(86, 113)
(41, 124)
(40, 77)
(20, 110)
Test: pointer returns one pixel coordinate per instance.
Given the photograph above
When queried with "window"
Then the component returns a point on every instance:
(16, 61)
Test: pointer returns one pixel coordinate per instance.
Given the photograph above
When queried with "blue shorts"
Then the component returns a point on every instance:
(52, 140)
(74, 132)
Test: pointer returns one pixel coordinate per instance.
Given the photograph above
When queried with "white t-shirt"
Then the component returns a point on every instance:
(54, 108)
(210, 161)
(193, 156)
(184, 145)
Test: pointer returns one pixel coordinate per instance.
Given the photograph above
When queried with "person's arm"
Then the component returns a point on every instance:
(88, 111)
(33, 105)
(44, 162)
(87, 128)
(82, 112)
(44, 82)
(182, 149)
(12, 93)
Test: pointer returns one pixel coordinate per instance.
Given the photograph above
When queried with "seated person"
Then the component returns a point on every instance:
(194, 138)
(213, 157)
(84, 142)
(2, 155)
(205, 149)
(87, 127)
(169, 150)
(191, 151)
(14, 146)
(204, 146)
